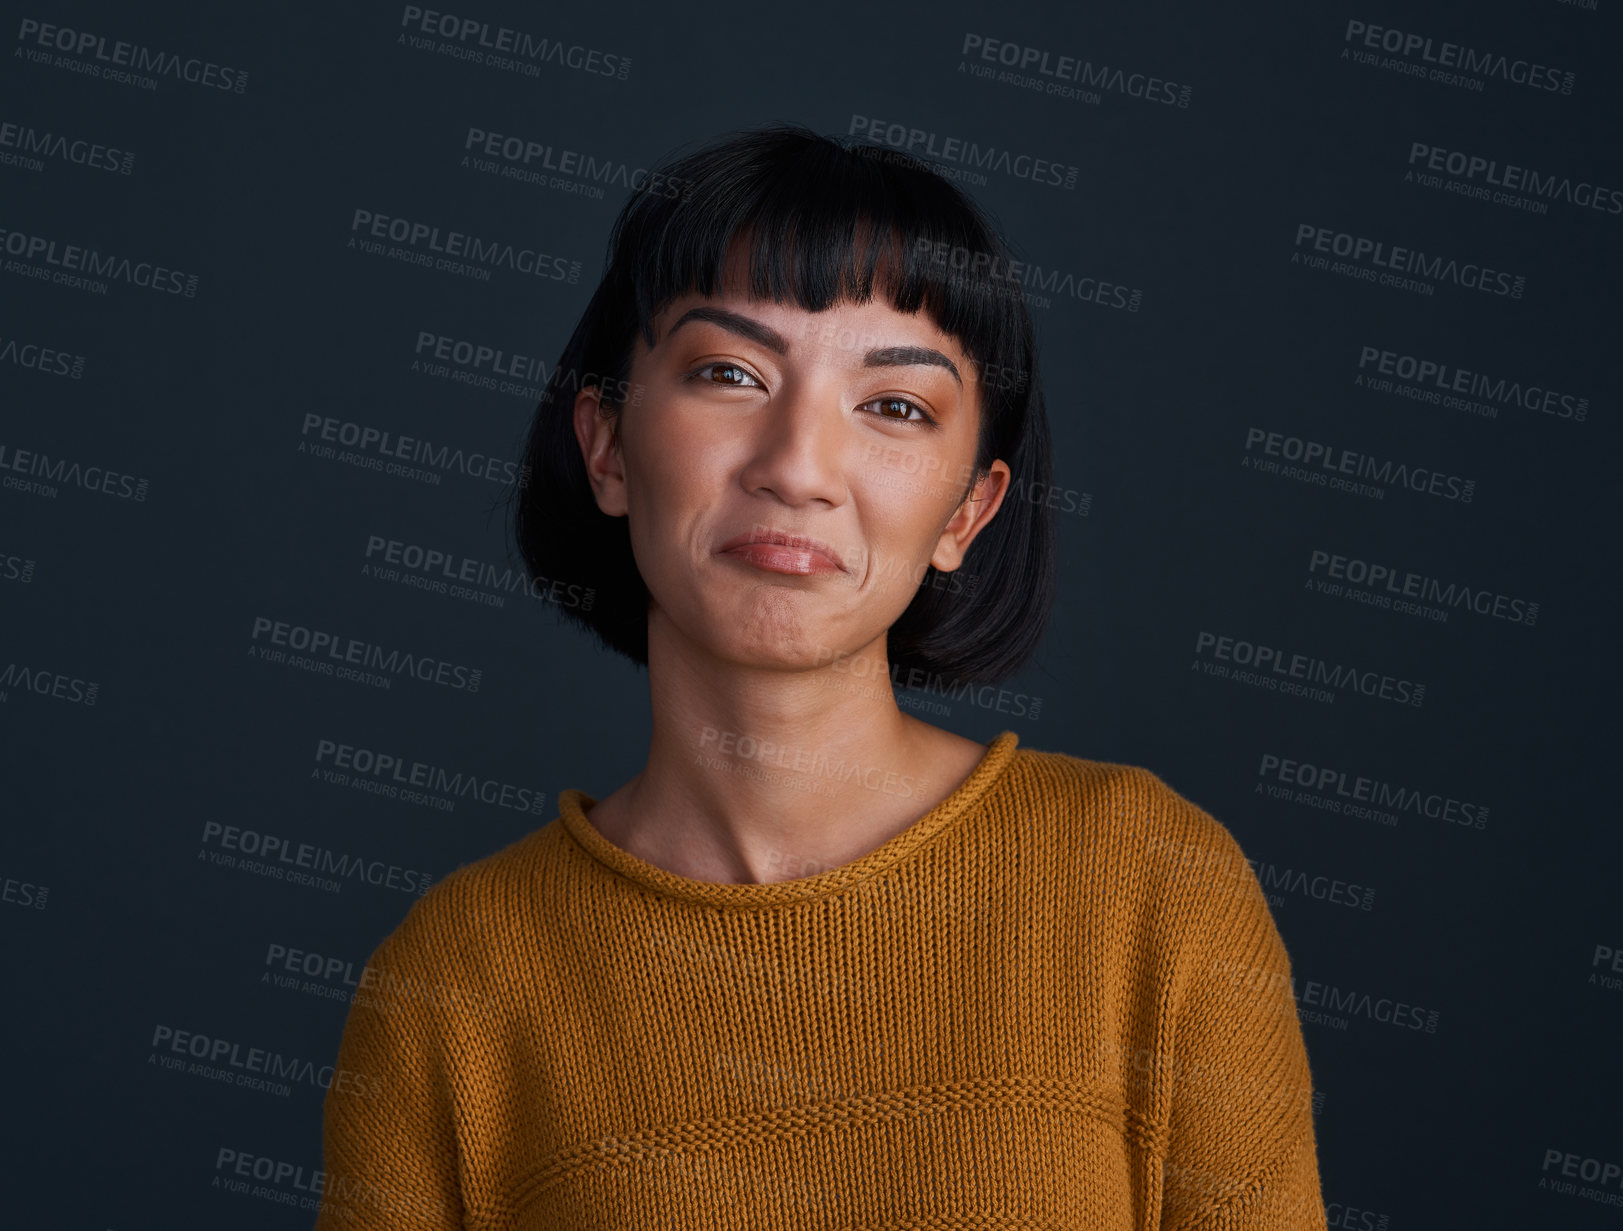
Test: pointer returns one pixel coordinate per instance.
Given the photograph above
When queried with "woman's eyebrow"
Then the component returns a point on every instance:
(879, 357)
(907, 356)
(737, 323)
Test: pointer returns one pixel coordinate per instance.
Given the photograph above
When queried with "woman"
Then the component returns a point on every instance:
(821, 964)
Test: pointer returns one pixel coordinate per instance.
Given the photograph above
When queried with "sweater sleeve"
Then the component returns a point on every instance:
(388, 1136)
(1241, 1154)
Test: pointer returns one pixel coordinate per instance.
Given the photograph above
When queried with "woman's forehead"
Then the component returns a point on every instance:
(846, 322)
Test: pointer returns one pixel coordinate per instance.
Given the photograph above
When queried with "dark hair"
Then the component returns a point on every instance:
(820, 220)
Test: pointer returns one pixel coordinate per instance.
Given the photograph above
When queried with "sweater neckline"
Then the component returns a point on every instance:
(573, 804)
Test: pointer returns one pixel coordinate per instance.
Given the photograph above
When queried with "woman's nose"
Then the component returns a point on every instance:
(802, 443)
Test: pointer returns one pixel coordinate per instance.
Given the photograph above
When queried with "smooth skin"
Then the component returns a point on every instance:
(758, 415)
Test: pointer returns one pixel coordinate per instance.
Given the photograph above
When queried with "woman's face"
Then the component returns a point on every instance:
(855, 427)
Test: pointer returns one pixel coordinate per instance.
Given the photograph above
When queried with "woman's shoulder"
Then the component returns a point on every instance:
(1113, 791)
(1130, 817)
(475, 911)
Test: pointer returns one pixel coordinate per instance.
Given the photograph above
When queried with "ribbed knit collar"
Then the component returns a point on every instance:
(573, 804)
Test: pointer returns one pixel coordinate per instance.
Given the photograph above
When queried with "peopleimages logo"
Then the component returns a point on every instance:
(1328, 1005)
(1329, 465)
(489, 367)
(91, 270)
(987, 696)
(1443, 384)
(1028, 66)
(1276, 882)
(1367, 256)
(47, 683)
(349, 762)
(1332, 789)
(324, 649)
(481, 359)
(45, 359)
(1476, 176)
(1602, 1178)
(130, 63)
(961, 157)
(33, 146)
(228, 1060)
(1455, 63)
(536, 162)
(1274, 668)
(445, 572)
(68, 473)
(302, 863)
(379, 988)
(368, 447)
(16, 568)
(15, 892)
(273, 1173)
(503, 47)
(422, 238)
(1381, 585)
(992, 274)
(1320, 1002)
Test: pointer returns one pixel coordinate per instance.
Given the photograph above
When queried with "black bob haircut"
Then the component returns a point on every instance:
(820, 219)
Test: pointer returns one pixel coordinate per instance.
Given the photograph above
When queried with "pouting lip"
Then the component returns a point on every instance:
(786, 540)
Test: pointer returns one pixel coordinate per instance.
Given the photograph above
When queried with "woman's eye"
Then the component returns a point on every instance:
(726, 374)
(900, 408)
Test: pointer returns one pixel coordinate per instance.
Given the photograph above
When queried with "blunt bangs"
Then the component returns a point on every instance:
(823, 224)
(818, 223)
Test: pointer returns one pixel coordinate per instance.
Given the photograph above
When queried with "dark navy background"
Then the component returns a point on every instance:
(116, 923)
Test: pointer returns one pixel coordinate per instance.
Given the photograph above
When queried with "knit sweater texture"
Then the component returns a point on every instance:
(1056, 1000)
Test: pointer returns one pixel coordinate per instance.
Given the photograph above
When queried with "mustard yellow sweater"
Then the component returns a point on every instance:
(1057, 1000)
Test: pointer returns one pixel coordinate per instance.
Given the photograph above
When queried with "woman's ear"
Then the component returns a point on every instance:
(971, 517)
(598, 434)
